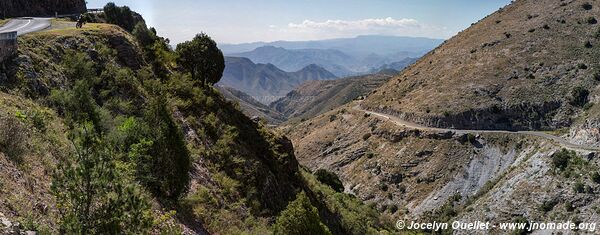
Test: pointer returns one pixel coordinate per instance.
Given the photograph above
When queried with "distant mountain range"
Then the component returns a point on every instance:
(266, 82)
(360, 46)
(342, 57)
(310, 98)
(316, 97)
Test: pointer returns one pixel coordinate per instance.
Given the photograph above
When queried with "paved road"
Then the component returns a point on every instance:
(25, 25)
(563, 142)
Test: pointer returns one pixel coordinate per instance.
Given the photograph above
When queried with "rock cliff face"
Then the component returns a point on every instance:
(18, 8)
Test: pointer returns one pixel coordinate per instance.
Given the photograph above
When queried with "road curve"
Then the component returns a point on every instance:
(25, 25)
(563, 142)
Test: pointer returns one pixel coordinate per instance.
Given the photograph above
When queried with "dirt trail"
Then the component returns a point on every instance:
(563, 142)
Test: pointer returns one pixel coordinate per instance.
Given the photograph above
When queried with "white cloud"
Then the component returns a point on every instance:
(383, 26)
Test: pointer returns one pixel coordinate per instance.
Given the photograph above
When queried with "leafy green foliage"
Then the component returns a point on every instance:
(579, 187)
(92, 198)
(579, 96)
(300, 218)
(560, 159)
(548, 205)
(202, 58)
(144, 35)
(163, 161)
(596, 177)
(330, 178)
(121, 16)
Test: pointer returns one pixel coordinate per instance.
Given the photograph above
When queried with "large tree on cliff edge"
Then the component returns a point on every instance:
(202, 59)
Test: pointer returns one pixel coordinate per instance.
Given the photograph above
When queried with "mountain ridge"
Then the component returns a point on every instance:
(266, 82)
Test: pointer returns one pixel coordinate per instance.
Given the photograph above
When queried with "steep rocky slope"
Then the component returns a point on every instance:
(315, 97)
(533, 57)
(437, 176)
(250, 106)
(17, 8)
(531, 65)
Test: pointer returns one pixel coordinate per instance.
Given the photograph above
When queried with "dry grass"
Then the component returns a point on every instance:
(67, 28)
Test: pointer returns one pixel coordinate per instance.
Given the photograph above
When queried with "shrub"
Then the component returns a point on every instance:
(332, 118)
(596, 177)
(383, 186)
(13, 138)
(579, 96)
(329, 178)
(300, 218)
(560, 159)
(592, 20)
(579, 187)
(596, 76)
(521, 231)
(92, 196)
(548, 205)
(471, 138)
(587, 6)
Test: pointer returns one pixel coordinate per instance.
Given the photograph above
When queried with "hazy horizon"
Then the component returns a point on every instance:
(238, 21)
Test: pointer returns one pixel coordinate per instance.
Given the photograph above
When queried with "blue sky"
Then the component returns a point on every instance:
(236, 21)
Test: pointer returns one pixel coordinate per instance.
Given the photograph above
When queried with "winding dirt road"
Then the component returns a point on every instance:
(562, 142)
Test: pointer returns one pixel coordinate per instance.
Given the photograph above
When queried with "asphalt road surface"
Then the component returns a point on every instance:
(25, 25)
(562, 142)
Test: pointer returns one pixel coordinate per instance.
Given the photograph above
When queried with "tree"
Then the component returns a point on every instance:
(300, 218)
(144, 36)
(91, 195)
(202, 59)
(121, 16)
(162, 158)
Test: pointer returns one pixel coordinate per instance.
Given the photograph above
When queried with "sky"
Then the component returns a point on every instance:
(240, 21)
